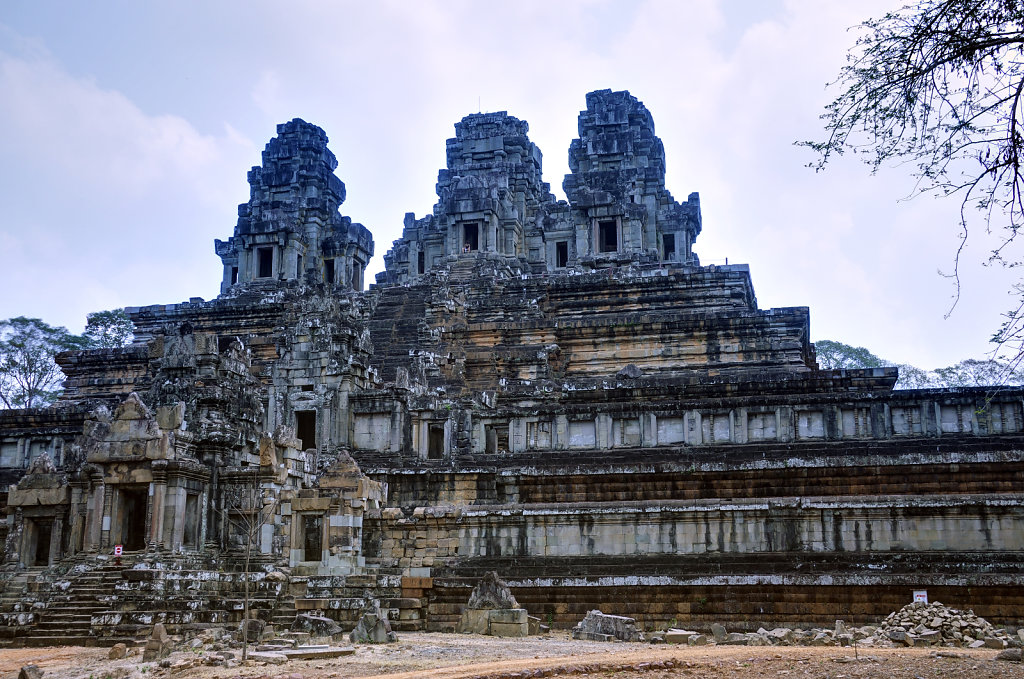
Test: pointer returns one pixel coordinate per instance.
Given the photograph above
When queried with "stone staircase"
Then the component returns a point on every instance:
(72, 608)
(396, 327)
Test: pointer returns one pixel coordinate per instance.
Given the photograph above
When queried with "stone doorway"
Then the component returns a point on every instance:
(435, 442)
(132, 512)
(38, 536)
(312, 537)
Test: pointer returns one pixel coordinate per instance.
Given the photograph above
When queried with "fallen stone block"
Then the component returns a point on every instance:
(719, 633)
(318, 652)
(698, 640)
(30, 672)
(616, 626)
(678, 636)
(315, 625)
(118, 651)
(533, 625)
(1011, 654)
(373, 627)
(269, 658)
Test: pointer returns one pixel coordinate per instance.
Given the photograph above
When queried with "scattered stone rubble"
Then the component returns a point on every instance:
(915, 624)
(920, 623)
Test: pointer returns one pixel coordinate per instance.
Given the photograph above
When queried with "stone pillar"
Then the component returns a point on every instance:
(210, 531)
(56, 539)
(157, 500)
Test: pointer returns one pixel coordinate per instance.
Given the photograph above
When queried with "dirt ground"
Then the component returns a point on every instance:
(450, 656)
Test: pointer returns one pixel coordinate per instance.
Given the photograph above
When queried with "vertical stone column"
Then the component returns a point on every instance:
(56, 539)
(157, 500)
(210, 530)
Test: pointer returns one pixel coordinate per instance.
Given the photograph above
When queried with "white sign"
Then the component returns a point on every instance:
(921, 596)
(118, 550)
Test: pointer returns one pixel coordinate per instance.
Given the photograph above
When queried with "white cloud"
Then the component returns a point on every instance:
(104, 205)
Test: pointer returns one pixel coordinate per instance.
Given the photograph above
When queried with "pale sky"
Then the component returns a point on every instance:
(127, 129)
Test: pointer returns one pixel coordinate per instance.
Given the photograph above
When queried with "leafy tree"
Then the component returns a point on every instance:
(978, 373)
(836, 355)
(29, 377)
(107, 329)
(967, 373)
(939, 84)
(912, 377)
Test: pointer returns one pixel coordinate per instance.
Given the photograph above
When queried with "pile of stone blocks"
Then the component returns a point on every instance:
(493, 610)
(920, 624)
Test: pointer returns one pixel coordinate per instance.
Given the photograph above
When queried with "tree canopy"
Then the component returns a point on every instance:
(971, 372)
(108, 329)
(940, 84)
(29, 377)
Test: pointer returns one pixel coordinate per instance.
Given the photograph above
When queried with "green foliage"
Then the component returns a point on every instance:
(29, 377)
(912, 377)
(978, 373)
(108, 329)
(836, 355)
(967, 373)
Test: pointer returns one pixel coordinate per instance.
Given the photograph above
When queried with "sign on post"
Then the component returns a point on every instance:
(118, 550)
(920, 596)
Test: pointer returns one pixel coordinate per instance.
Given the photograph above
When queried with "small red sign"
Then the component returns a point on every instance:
(118, 550)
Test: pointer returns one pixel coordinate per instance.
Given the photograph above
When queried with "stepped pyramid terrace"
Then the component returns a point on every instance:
(554, 390)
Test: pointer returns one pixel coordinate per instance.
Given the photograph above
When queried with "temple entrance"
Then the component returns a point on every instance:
(190, 537)
(37, 543)
(305, 428)
(132, 510)
(435, 442)
(312, 537)
(471, 238)
(668, 243)
(561, 254)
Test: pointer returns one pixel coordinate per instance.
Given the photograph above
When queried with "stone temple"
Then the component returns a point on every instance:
(557, 391)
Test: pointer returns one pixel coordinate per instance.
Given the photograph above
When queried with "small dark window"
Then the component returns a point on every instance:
(305, 428)
(234, 275)
(307, 387)
(561, 254)
(608, 237)
(298, 266)
(471, 238)
(266, 262)
(357, 276)
(419, 262)
(668, 240)
(435, 442)
(329, 271)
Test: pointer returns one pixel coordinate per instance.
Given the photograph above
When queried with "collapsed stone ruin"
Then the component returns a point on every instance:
(555, 390)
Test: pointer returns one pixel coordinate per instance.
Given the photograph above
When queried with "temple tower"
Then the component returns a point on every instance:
(291, 227)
